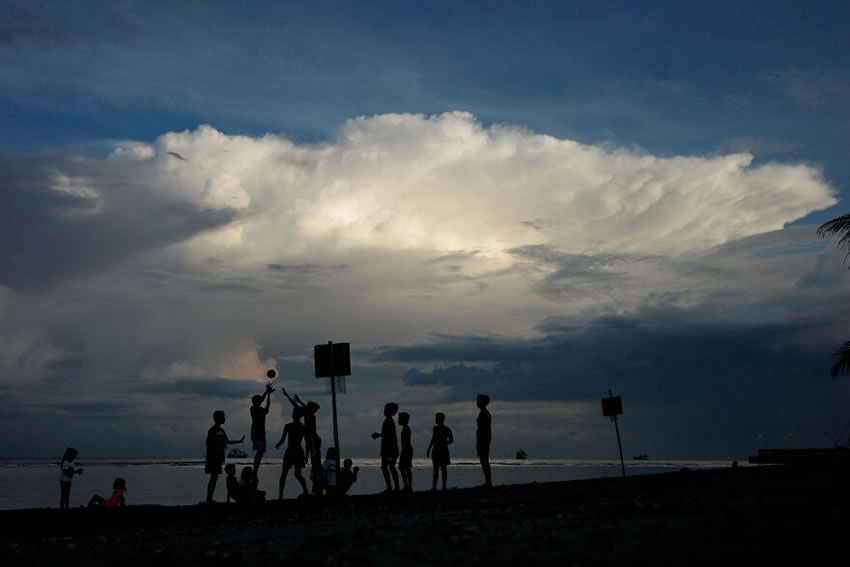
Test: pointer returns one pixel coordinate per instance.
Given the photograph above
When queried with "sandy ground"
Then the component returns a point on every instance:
(747, 515)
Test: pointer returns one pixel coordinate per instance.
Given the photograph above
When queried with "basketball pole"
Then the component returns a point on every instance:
(333, 408)
(619, 443)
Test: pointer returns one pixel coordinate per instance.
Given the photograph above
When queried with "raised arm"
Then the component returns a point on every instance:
(268, 395)
(294, 400)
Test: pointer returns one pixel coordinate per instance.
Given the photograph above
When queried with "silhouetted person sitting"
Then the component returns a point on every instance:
(312, 441)
(258, 425)
(405, 459)
(249, 486)
(115, 501)
(389, 445)
(231, 483)
(294, 454)
(347, 476)
(438, 448)
(483, 436)
(217, 443)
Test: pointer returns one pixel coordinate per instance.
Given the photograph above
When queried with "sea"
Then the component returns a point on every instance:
(34, 483)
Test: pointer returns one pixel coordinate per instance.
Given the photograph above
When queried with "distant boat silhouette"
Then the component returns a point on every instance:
(521, 454)
(641, 457)
(237, 454)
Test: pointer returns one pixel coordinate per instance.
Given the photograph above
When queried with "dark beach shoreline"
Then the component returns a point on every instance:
(734, 515)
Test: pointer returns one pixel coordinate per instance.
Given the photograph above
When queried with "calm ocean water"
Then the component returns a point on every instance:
(35, 483)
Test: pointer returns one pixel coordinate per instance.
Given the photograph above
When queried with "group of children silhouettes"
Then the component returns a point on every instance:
(438, 448)
(303, 447)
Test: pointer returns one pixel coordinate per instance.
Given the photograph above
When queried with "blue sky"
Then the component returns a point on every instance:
(537, 201)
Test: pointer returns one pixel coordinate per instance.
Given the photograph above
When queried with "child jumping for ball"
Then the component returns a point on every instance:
(258, 424)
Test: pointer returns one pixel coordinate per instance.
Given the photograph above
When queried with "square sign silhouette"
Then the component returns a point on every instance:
(612, 406)
(332, 360)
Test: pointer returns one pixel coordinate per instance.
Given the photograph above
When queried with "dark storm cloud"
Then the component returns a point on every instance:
(48, 25)
(566, 274)
(91, 222)
(660, 354)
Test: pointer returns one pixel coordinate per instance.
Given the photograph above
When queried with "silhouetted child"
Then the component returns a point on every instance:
(483, 436)
(347, 476)
(405, 459)
(258, 424)
(389, 445)
(66, 475)
(217, 442)
(294, 454)
(119, 487)
(438, 448)
(248, 485)
(231, 482)
(329, 471)
(312, 441)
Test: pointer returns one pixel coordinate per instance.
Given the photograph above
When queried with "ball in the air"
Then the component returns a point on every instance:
(271, 373)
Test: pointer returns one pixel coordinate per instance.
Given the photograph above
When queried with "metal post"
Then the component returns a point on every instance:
(333, 409)
(619, 444)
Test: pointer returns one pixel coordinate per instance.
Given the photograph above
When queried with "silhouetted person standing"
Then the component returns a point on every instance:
(258, 424)
(405, 459)
(217, 443)
(438, 448)
(66, 475)
(294, 454)
(312, 441)
(483, 436)
(389, 445)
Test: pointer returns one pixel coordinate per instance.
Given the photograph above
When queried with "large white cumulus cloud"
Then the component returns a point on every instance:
(447, 183)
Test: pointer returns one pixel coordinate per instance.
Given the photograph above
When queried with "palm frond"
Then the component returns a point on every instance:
(841, 360)
(838, 226)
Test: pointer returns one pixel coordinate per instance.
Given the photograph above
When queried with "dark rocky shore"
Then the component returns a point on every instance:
(739, 516)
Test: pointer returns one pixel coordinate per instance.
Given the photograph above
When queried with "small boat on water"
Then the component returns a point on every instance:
(641, 457)
(237, 454)
(521, 454)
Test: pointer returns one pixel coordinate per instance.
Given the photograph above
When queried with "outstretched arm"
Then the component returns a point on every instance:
(234, 441)
(282, 439)
(294, 400)
(268, 395)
